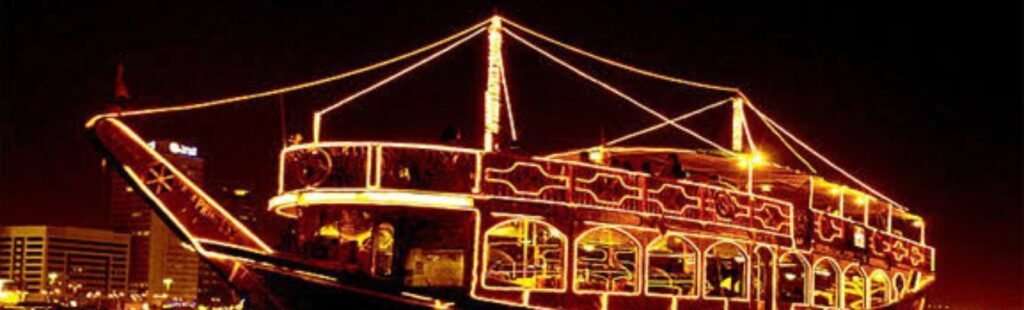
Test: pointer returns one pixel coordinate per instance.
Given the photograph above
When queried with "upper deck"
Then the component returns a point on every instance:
(437, 176)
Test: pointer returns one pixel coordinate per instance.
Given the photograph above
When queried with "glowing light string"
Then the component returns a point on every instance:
(318, 115)
(750, 138)
(663, 124)
(783, 139)
(291, 88)
(824, 159)
(648, 129)
(619, 64)
(619, 93)
(508, 105)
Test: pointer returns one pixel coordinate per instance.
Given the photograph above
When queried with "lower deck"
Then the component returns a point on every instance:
(508, 254)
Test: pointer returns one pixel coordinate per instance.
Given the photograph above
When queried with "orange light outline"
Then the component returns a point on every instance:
(526, 221)
(188, 182)
(697, 262)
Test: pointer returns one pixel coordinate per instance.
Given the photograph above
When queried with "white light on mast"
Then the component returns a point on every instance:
(492, 97)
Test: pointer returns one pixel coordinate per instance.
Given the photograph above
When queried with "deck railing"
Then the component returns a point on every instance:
(501, 176)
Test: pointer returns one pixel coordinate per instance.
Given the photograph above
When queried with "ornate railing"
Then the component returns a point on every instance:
(500, 176)
(841, 233)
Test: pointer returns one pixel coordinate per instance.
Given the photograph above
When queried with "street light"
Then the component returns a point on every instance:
(167, 283)
(52, 276)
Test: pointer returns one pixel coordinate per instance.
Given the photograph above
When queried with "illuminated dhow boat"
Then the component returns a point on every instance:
(424, 225)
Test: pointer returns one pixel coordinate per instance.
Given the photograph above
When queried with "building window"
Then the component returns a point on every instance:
(525, 254)
(725, 271)
(672, 267)
(826, 283)
(606, 262)
(792, 278)
(854, 288)
(879, 288)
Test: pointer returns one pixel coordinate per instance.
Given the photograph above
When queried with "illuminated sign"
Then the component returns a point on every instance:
(182, 149)
(177, 148)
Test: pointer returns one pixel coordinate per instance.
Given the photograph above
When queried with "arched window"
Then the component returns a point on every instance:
(725, 271)
(606, 262)
(792, 279)
(879, 288)
(524, 254)
(854, 288)
(672, 267)
(899, 284)
(762, 280)
(826, 283)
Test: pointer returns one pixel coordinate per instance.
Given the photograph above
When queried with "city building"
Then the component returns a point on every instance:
(40, 258)
(161, 264)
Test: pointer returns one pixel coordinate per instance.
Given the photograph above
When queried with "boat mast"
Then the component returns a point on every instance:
(738, 121)
(492, 96)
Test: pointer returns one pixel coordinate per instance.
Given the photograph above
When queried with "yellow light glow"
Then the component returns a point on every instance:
(755, 158)
(167, 283)
(835, 191)
(371, 198)
(241, 192)
(596, 156)
(766, 188)
(861, 200)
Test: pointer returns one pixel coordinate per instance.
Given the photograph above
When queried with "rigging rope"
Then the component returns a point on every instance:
(291, 88)
(781, 138)
(508, 105)
(648, 129)
(750, 138)
(620, 65)
(663, 124)
(617, 92)
(850, 176)
(317, 116)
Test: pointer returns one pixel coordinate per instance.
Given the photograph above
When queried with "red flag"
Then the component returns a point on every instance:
(120, 89)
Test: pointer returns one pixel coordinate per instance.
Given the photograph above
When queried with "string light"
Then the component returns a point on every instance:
(822, 157)
(619, 64)
(291, 88)
(663, 124)
(319, 114)
(618, 92)
(508, 106)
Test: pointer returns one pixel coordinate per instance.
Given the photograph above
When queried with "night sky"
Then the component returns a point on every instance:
(922, 100)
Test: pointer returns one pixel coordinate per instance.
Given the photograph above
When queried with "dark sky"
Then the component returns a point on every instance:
(921, 99)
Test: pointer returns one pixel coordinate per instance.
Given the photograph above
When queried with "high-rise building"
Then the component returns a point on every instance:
(38, 258)
(160, 262)
(214, 290)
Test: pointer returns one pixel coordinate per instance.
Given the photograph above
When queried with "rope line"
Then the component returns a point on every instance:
(663, 124)
(618, 92)
(291, 88)
(822, 157)
(508, 105)
(750, 138)
(317, 117)
(620, 65)
(780, 137)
